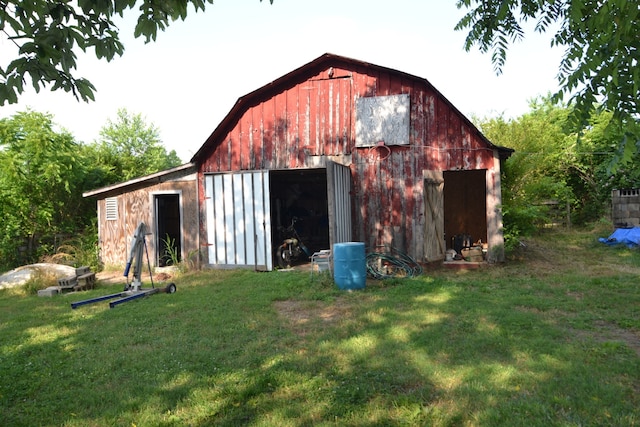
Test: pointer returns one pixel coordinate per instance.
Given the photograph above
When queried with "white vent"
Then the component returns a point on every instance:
(111, 207)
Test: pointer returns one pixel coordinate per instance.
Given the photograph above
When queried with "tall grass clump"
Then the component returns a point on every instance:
(78, 251)
(39, 280)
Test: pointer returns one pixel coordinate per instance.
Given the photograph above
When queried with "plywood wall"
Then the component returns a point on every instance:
(137, 206)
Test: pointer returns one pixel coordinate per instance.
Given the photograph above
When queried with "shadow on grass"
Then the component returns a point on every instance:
(244, 348)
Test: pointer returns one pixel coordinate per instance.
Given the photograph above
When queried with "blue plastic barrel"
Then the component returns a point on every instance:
(349, 265)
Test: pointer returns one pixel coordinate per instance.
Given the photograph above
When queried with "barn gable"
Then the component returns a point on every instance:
(412, 170)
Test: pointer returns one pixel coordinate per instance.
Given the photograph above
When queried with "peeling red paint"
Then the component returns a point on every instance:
(315, 116)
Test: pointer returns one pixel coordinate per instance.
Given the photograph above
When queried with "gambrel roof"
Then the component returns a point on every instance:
(309, 70)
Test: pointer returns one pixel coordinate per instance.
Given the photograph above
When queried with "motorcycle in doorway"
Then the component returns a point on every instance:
(292, 248)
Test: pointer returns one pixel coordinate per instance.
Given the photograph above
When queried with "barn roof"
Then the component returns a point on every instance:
(143, 181)
(308, 70)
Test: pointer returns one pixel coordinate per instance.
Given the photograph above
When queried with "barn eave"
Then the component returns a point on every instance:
(142, 181)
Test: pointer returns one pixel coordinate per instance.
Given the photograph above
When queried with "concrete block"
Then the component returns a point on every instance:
(83, 270)
(48, 292)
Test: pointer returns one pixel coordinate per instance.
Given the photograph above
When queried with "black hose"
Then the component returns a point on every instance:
(389, 263)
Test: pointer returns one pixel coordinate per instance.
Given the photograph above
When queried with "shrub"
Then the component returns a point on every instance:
(39, 280)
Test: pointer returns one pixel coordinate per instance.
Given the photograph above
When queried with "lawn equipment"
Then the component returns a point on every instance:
(132, 290)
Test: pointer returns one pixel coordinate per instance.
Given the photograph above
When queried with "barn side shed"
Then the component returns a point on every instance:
(166, 202)
(359, 152)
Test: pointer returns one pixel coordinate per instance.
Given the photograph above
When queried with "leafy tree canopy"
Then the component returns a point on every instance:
(47, 34)
(600, 64)
(128, 147)
(41, 174)
(549, 165)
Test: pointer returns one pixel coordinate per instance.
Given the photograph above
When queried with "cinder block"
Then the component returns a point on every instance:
(86, 281)
(82, 270)
(67, 282)
(48, 292)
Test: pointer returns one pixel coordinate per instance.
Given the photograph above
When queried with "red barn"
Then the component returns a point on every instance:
(357, 152)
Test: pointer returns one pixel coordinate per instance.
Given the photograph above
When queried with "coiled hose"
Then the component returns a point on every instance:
(387, 263)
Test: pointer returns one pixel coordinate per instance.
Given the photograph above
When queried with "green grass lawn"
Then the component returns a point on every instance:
(551, 338)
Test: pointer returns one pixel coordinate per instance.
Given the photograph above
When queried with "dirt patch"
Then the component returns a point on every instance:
(110, 277)
(116, 277)
(606, 332)
(302, 316)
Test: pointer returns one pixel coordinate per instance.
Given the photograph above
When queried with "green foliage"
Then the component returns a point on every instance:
(129, 148)
(555, 162)
(600, 64)
(171, 251)
(80, 250)
(38, 280)
(47, 35)
(41, 175)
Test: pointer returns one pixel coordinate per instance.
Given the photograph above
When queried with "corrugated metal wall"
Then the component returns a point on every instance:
(339, 200)
(238, 220)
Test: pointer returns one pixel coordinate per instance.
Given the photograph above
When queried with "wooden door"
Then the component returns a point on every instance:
(434, 243)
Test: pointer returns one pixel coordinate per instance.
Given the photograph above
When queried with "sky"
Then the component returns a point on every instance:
(187, 81)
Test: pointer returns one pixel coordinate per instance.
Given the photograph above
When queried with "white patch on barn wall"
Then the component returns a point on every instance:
(383, 119)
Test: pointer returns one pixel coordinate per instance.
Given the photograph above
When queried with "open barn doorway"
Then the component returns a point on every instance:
(300, 195)
(465, 206)
(246, 210)
(168, 236)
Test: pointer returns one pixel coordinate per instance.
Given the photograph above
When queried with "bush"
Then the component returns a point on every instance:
(78, 251)
(520, 221)
(39, 280)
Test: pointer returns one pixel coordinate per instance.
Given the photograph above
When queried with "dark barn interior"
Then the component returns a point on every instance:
(168, 228)
(300, 194)
(465, 206)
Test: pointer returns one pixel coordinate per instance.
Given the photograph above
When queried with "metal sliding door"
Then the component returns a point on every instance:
(339, 201)
(238, 220)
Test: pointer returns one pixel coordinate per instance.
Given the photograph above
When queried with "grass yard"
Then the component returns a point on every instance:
(550, 339)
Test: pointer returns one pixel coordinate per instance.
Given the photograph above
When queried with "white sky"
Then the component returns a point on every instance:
(189, 79)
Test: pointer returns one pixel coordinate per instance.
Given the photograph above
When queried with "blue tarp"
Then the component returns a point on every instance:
(626, 236)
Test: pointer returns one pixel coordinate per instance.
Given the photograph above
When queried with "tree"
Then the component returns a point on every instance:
(600, 65)
(47, 35)
(537, 171)
(41, 175)
(129, 147)
(549, 164)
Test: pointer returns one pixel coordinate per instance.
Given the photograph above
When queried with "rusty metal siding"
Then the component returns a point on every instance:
(316, 117)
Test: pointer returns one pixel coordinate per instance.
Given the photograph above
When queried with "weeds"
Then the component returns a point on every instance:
(39, 280)
(172, 256)
(171, 252)
(77, 251)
